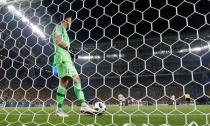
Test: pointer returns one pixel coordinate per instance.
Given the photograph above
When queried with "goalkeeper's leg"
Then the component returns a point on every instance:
(60, 95)
(80, 96)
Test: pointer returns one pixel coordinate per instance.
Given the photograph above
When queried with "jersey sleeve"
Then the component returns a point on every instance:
(58, 30)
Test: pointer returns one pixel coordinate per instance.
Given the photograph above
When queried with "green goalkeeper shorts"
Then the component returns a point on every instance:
(66, 69)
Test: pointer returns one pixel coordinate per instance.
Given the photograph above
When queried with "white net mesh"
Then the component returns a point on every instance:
(140, 57)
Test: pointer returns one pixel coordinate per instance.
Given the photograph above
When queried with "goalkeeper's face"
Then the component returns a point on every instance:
(68, 22)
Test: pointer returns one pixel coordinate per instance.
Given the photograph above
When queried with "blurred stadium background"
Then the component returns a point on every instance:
(147, 50)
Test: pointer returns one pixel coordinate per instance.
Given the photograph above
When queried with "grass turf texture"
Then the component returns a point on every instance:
(155, 115)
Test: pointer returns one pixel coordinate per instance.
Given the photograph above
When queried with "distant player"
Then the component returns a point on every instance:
(121, 99)
(132, 101)
(173, 99)
(65, 68)
(187, 98)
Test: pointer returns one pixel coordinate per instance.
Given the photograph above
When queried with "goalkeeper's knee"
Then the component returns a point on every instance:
(76, 80)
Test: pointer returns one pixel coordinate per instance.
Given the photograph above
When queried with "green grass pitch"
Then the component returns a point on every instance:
(155, 115)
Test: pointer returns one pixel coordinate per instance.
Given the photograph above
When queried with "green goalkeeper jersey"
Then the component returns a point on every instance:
(61, 55)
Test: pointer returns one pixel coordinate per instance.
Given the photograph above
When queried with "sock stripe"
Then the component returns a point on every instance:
(59, 94)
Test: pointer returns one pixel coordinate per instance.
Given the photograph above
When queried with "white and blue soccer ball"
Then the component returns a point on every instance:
(100, 107)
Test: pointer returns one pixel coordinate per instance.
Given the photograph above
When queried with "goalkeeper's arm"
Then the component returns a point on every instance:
(60, 43)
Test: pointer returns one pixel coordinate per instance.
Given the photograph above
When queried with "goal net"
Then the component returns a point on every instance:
(154, 53)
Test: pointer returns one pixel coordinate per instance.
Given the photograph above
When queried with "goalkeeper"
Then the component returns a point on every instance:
(65, 67)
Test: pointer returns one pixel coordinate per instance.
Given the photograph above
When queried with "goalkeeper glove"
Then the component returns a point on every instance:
(72, 53)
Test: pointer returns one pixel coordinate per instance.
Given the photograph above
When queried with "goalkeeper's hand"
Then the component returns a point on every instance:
(73, 53)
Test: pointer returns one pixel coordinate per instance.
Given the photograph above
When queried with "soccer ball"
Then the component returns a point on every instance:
(100, 106)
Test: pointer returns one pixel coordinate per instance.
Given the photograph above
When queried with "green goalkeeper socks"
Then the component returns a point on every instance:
(61, 91)
(79, 93)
